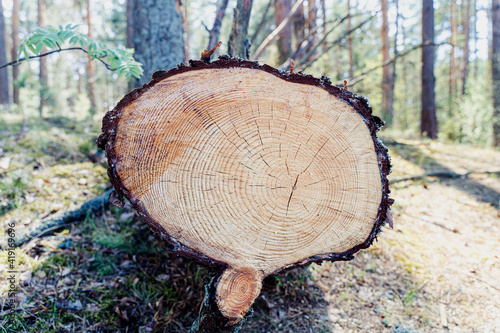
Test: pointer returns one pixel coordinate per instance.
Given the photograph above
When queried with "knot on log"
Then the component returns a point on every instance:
(236, 291)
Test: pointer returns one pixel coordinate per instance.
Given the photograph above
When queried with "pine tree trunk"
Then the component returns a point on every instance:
(43, 62)
(90, 64)
(323, 11)
(284, 39)
(349, 41)
(428, 124)
(213, 39)
(130, 35)
(495, 66)
(4, 74)
(312, 17)
(387, 77)
(298, 23)
(465, 49)
(158, 36)
(238, 45)
(453, 41)
(15, 47)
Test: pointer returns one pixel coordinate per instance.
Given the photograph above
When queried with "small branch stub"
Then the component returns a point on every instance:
(236, 291)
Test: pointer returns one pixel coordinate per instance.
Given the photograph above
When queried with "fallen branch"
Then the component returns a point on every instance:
(443, 174)
(60, 219)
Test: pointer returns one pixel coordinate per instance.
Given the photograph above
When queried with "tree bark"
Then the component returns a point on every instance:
(158, 36)
(43, 62)
(387, 77)
(4, 74)
(428, 124)
(495, 66)
(213, 38)
(15, 47)
(284, 39)
(90, 64)
(238, 45)
(465, 49)
(349, 41)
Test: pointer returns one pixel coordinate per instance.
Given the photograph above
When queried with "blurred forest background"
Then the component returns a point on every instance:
(377, 46)
(430, 69)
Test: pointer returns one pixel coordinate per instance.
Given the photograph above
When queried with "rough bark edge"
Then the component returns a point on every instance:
(106, 141)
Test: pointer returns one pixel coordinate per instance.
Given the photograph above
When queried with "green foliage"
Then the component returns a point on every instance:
(119, 60)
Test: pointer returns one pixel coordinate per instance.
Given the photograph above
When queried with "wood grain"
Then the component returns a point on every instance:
(242, 167)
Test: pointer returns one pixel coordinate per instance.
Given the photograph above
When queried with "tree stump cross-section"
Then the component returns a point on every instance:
(248, 168)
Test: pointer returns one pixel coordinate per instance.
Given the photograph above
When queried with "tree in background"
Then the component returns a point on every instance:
(43, 61)
(4, 75)
(157, 35)
(387, 75)
(90, 64)
(15, 47)
(215, 31)
(428, 125)
(495, 65)
(284, 39)
(238, 45)
(465, 49)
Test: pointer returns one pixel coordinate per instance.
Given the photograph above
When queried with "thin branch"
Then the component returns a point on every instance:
(338, 40)
(276, 31)
(305, 44)
(51, 52)
(356, 79)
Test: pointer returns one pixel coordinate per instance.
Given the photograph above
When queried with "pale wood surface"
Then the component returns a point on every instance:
(249, 169)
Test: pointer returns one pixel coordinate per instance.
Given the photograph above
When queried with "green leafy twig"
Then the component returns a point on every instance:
(119, 60)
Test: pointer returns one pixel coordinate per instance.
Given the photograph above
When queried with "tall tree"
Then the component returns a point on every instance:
(4, 74)
(387, 77)
(428, 124)
(158, 36)
(465, 49)
(453, 42)
(495, 66)
(130, 35)
(284, 40)
(43, 61)
(15, 46)
(238, 45)
(298, 23)
(213, 38)
(90, 64)
(349, 40)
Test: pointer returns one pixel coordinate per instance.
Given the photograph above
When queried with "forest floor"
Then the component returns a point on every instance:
(438, 270)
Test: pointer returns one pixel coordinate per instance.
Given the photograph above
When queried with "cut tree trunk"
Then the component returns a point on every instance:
(248, 169)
